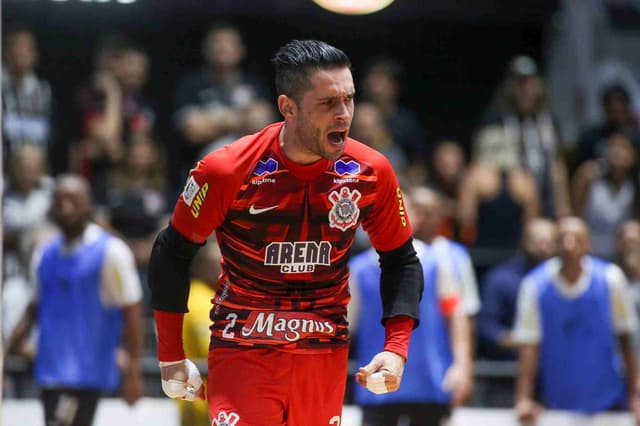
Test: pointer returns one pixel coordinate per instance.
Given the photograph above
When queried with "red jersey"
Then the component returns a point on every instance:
(284, 231)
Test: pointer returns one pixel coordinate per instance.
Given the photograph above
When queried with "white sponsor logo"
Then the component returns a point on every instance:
(262, 180)
(298, 257)
(288, 326)
(191, 188)
(253, 210)
(225, 419)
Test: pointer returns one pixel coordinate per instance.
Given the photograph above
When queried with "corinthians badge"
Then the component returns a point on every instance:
(345, 212)
(225, 419)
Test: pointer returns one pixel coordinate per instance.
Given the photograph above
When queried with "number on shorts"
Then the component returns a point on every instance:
(232, 318)
(335, 420)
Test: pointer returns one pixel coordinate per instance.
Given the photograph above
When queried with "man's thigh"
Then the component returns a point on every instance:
(264, 387)
(317, 389)
(248, 387)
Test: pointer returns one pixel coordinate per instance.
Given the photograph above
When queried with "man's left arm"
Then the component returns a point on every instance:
(401, 281)
(121, 288)
(625, 323)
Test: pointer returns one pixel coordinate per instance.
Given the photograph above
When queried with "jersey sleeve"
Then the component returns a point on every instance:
(120, 284)
(528, 327)
(623, 314)
(387, 224)
(206, 196)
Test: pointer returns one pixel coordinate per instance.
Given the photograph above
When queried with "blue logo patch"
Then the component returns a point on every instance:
(347, 168)
(264, 167)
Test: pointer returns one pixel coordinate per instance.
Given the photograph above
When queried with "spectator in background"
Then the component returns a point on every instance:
(87, 300)
(26, 203)
(114, 112)
(606, 193)
(493, 207)
(500, 287)
(520, 133)
(197, 336)
(574, 325)
(369, 127)
(628, 256)
(254, 118)
(426, 206)
(136, 199)
(382, 86)
(210, 104)
(439, 364)
(619, 118)
(447, 167)
(27, 105)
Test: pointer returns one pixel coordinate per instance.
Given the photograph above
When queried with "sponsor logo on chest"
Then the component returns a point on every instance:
(298, 257)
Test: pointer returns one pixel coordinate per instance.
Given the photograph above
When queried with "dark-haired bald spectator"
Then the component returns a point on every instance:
(500, 286)
(574, 325)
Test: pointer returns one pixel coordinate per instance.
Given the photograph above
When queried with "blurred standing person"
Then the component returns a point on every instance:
(87, 301)
(25, 205)
(210, 104)
(438, 372)
(369, 127)
(619, 118)
(574, 324)
(425, 206)
(382, 85)
(520, 133)
(205, 270)
(27, 105)
(136, 199)
(494, 205)
(114, 112)
(500, 287)
(606, 193)
(285, 204)
(446, 171)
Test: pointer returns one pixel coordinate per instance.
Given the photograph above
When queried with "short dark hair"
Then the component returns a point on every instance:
(615, 90)
(296, 59)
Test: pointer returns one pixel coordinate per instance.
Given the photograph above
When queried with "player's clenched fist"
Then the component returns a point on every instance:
(181, 380)
(383, 374)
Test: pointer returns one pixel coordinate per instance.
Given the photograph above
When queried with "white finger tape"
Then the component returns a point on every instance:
(376, 383)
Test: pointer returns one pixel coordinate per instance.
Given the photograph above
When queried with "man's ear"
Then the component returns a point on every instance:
(287, 106)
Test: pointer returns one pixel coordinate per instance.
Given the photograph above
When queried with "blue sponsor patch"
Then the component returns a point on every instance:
(264, 167)
(347, 168)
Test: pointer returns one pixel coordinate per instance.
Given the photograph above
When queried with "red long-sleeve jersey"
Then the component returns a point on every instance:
(284, 231)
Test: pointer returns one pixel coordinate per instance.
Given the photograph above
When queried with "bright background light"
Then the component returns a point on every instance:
(353, 7)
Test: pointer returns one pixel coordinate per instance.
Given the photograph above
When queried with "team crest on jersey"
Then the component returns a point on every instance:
(345, 211)
(225, 419)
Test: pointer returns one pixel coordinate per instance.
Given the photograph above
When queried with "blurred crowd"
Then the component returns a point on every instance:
(499, 194)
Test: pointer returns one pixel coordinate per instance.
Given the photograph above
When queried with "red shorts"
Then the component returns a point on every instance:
(267, 387)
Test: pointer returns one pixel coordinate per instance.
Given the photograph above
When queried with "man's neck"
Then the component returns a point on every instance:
(571, 271)
(18, 76)
(290, 147)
